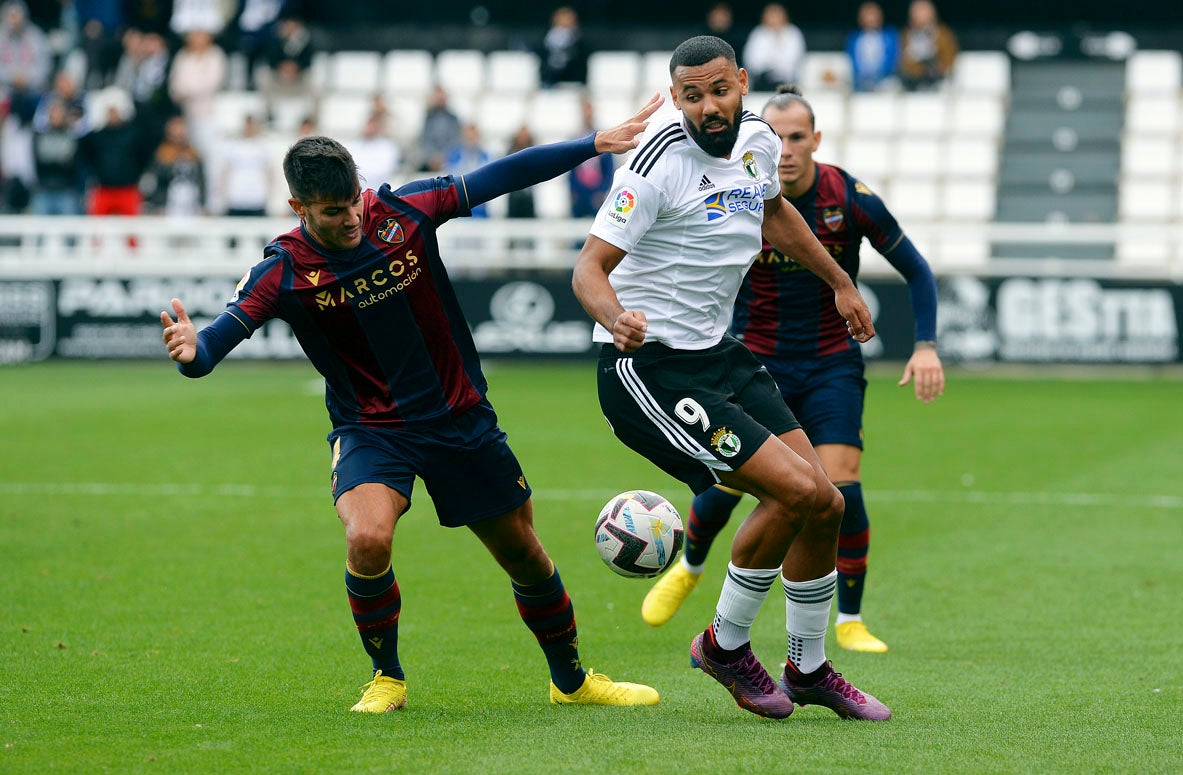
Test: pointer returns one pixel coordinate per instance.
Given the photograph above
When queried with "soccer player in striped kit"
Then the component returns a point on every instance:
(362, 284)
(785, 315)
(659, 273)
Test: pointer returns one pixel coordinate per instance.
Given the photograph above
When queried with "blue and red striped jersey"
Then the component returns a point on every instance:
(380, 322)
(785, 310)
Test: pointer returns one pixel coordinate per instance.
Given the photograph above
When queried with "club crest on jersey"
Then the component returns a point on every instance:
(391, 231)
(833, 218)
(623, 202)
(725, 442)
(749, 165)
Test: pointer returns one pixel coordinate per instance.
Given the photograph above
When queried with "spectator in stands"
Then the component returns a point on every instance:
(254, 30)
(520, 202)
(198, 72)
(174, 183)
(590, 181)
(100, 23)
(25, 57)
(928, 49)
(116, 155)
(465, 156)
(58, 190)
(194, 15)
(774, 50)
(873, 50)
(563, 58)
(720, 22)
(289, 56)
(244, 184)
(376, 154)
(143, 73)
(441, 131)
(65, 92)
(148, 15)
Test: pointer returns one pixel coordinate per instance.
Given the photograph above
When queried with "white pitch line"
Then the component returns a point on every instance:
(895, 496)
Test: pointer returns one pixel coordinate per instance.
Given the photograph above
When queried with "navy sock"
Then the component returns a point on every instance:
(708, 516)
(547, 611)
(854, 541)
(376, 604)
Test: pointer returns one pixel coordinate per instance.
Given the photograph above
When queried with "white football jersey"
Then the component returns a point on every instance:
(690, 224)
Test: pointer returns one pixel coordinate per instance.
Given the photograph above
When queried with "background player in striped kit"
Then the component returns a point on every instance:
(362, 285)
(659, 274)
(783, 314)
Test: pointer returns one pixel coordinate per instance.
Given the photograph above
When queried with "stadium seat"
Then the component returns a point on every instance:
(1154, 72)
(610, 109)
(1142, 250)
(971, 157)
(875, 114)
(355, 71)
(829, 111)
(1154, 114)
(924, 113)
(1148, 156)
(405, 121)
(318, 72)
(513, 72)
(868, 157)
(655, 74)
(461, 72)
(344, 114)
(499, 116)
(982, 72)
(755, 100)
(1146, 200)
(912, 200)
(552, 198)
(832, 150)
(232, 107)
(555, 114)
(613, 72)
(968, 200)
(825, 71)
(959, 250)
(977, 116)
(918, 157)
(287, 112)
(408, 71)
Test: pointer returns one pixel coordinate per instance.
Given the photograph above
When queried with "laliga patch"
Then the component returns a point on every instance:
(391, 231)
(623, 202)
(238, 288)
(725, 442)
(749, 165)
(833, 218)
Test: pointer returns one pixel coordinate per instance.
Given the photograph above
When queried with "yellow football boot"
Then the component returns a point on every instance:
(664, 600)
(599, 689)
(853, 636)
(382, 695)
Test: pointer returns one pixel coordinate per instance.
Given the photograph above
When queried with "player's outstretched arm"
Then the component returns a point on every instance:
(180, 335)
(787, 231)
(925, 367)
(590, 283)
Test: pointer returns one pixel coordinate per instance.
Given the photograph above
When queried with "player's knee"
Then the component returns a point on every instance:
(368, 547)
(828, 506)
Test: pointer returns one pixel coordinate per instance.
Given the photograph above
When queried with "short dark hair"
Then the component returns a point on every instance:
(699, 50)
(786, 95)
(319, 168)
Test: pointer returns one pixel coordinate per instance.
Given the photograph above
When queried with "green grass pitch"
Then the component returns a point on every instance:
(171, 593)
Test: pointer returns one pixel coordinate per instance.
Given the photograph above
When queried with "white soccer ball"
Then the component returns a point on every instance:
(639, 534)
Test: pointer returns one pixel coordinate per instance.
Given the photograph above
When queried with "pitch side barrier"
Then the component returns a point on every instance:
(93, 288)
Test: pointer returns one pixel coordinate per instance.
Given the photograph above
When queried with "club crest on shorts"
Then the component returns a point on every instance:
(833, 218)
(391, 231)
(725, 442)
(749, 165)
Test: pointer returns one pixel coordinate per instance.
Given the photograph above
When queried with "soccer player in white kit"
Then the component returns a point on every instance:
(659, 274)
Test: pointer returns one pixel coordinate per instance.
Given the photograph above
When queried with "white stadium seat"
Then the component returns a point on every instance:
(655, 74)
(499, 116)
(1146, 200)
(829, 112)
(924, 113)
(982, 72)
(1152, 114)
(1149, 156)
(513, 72)
(977, 116)
(868, 157)
(912, 200)
(232, 107)
(875, 114)
(288, 112)
(344, 114)
(405, 121)
(461, 72)
(968, 200)
(408, 71)
(832, 150)
(555, 114)
(1154, 72)
(552, 198)
(918, 157)
(355, 71)
(613, 72)
(972, 157)
(825, 71)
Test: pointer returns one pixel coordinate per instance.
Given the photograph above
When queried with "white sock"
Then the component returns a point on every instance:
(844, 618)
(694, 569)
(744, 590)
(807, 614)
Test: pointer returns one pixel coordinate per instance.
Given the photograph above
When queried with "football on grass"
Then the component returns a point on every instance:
(639, 534)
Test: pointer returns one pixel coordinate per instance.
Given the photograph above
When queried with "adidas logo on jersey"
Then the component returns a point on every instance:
(705, 184)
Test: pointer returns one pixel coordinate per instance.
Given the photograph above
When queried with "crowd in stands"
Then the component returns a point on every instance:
(110, 109)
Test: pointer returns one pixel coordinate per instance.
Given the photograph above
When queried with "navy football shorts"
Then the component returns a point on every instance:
(464, 461)
(825, 394)
(693, 413)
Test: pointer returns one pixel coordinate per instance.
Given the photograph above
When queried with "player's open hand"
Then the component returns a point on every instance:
(854, 310)
(628, 330)
(625, 136)
(180, 336)
(925, 367)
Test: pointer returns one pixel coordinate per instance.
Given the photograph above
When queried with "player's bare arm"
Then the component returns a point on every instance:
(590, 283)
(787, 231)
(925, 368)
(180, 335)
(622, 138)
